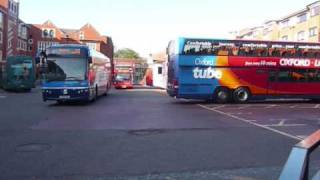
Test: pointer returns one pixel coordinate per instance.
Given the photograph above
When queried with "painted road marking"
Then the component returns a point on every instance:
(242, 113)
(294, 106)
(2, 97)
(271, 106)
(252, 123)
(285, 125)
(244, 107)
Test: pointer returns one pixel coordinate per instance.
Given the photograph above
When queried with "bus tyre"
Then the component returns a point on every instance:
(241, 95)
(222, 95)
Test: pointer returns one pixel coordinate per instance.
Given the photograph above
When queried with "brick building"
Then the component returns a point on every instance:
(19, 38)
(48, 34)
(14, 33)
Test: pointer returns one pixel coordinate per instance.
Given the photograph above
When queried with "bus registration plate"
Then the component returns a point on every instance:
(64, 97)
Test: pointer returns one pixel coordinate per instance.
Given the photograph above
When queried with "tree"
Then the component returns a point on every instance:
(127, 53)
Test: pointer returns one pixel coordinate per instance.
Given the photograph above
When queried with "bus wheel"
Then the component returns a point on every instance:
(222, 95)
(241, 95)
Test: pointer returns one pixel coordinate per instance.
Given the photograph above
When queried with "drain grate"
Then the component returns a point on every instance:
(146, 132)
(33, 147)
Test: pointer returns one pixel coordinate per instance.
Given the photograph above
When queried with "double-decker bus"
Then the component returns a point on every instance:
(18, 73)
(75, 72)
(238, 70)
(123, 76)
(123, 80)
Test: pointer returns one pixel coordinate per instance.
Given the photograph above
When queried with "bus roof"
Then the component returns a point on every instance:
(251, 41)
(91, 52)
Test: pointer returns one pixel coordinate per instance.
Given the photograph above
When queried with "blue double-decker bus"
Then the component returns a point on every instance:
(75, 73)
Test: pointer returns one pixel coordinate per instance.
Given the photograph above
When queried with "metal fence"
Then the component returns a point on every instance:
(298, 164)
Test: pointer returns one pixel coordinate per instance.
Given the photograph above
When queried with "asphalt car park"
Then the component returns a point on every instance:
(294, 119)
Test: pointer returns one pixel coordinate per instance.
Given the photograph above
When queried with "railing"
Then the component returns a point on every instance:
(297, 166)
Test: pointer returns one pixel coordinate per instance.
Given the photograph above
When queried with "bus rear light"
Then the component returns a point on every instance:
(175, 84)
(91, 77)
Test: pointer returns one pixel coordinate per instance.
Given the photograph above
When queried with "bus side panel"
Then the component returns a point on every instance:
(256, 79)
(241, 72)
(197, 76)
(195, 88)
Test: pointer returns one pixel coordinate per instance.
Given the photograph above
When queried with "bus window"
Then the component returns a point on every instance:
(274, 52)
(313, 75)
(299, 75)
(223, 51)
(284, 76)
(311, 54)
(261, 52)
(243, 51)
(235, 51)
(317, 54)
(272, 76)
(214, 50)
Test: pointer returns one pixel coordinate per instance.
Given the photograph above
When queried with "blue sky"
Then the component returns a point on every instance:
(147, 25)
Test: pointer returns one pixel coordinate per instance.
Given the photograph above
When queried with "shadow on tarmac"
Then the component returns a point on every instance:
(268, 101)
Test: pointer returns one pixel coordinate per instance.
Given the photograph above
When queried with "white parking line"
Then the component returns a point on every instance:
(2, 97)
(284, 125)
(242, 113)
(294, 106)
(317, 106)
(244, 107)
(271, 106)
(218, 107)
(252, 123)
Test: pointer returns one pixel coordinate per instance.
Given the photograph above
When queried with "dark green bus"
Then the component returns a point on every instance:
(18, 73)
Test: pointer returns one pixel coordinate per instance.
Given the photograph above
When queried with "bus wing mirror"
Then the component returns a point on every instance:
(90, 60)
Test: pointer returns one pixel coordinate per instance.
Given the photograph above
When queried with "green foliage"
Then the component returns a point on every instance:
(127, 53)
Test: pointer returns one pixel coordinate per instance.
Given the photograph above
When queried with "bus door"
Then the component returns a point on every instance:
(272, 82)
(261, 80)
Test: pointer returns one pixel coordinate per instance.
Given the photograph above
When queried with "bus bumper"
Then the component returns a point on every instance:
(82, 94)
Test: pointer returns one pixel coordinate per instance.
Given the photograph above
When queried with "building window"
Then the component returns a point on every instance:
(313, 32)
(315, 11)
(9, 44)
(92, 45)
(285, 23)
(302, 18)
(45, 33)
(300, 36)
(1, 20)
(81, 36)
(1, 37)
(42, 45)
(52, 34)
(159, 70)
(284, 38)
(48, 33)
